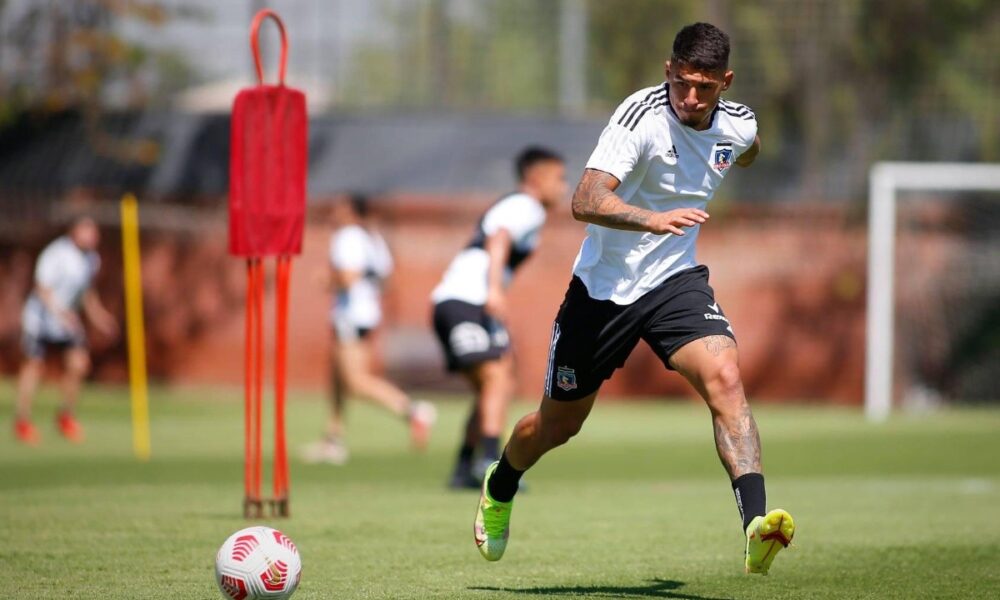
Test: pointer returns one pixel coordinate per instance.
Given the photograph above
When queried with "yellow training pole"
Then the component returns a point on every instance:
(135, 328)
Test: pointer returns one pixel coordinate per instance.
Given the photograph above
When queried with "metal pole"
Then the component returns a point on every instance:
(572, 57)
(879, 329)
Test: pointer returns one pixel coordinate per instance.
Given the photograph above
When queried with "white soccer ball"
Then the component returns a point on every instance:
(257, 563)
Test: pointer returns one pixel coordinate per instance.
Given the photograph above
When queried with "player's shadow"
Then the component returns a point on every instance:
(655, 588)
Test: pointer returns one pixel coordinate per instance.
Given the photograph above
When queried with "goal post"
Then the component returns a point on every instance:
(885, 180)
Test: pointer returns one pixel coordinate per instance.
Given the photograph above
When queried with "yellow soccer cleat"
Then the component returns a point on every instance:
(492, 527)
(766, 536)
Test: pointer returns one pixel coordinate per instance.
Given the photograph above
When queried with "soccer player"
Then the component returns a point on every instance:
(359, 262)
(52, 320)
(644, 192)
(470, 304)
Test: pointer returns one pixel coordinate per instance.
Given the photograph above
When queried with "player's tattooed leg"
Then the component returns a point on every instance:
(738, 441)
(715, 344)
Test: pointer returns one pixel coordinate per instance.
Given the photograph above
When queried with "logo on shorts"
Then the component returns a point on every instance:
(722, 157)
(718, 316)
(468, 338)
(566, 378)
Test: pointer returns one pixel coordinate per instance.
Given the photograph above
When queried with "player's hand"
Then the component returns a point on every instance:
(496, 304)
(71, 321)
(673, 220)
(108, 327)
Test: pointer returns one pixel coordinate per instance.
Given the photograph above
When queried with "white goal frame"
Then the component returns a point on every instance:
(884, 180)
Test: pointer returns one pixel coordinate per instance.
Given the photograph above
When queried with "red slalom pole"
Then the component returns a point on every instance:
(248, 466)
(258, 376)
(281, 361)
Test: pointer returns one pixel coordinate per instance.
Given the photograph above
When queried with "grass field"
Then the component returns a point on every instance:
(636, 507)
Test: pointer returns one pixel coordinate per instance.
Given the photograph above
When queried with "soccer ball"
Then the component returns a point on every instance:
(257, 563)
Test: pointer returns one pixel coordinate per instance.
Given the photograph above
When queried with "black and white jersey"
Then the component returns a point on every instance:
(466, 278)
(67, 272)
(356, 249)
(662, 165)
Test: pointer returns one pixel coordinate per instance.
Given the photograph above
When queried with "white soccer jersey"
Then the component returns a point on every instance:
(67, 272)
(467, 276)
(354, 248)
(662, 165)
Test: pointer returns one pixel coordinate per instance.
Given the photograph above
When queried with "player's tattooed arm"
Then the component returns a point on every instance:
(595, 202)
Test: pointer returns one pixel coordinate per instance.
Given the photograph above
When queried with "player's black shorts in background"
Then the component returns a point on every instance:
(468, 335)
(35, 346)
(591, 338)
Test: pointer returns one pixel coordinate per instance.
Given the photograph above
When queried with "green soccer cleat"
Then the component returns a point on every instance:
(766, 536)
(492, 526)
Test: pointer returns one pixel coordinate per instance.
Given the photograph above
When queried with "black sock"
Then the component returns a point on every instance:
(465, 453)
(503, 483)
(750, 496)
(491, 448)
(464, 460)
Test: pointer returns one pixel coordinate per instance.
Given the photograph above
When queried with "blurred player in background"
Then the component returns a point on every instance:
(52, 320)
(359, 262)
(470, 304)
(657, 164)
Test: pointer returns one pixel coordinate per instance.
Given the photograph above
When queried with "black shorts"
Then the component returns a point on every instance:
(352, 333)
(591, 338)
(35, 346)
(468, 335)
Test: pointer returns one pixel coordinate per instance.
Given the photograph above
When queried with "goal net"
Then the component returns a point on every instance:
(933, 317)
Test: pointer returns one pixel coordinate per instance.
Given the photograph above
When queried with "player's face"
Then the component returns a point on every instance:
(694, 93)
(85, 235)
(549, 178)
(343, 214)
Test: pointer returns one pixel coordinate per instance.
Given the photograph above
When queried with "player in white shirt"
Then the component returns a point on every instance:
(359, 262)
(52, 319)
(470, 304)
(644, 194)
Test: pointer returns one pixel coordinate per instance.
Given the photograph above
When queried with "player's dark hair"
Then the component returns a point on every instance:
(532, 155)
(360, 204)
(702, 46)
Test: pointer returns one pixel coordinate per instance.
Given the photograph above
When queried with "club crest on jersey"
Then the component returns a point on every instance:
(722, 157)
(566, 378)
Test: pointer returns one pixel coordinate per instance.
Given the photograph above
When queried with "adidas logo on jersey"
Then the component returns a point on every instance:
(672, 153)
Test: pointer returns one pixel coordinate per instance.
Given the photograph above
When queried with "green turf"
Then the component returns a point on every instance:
(635, 507)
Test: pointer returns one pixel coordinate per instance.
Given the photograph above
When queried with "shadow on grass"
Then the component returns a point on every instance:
(655, 588)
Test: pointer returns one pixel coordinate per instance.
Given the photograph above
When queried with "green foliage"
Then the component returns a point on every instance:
(69, 56)
(499, 55)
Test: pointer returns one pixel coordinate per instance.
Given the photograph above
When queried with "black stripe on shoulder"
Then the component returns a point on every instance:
(654, 99)
(748, 115)
(655, 93)
(628, 113)
(733, 105)
(650, 97)
(631, 117)
(638, 117)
